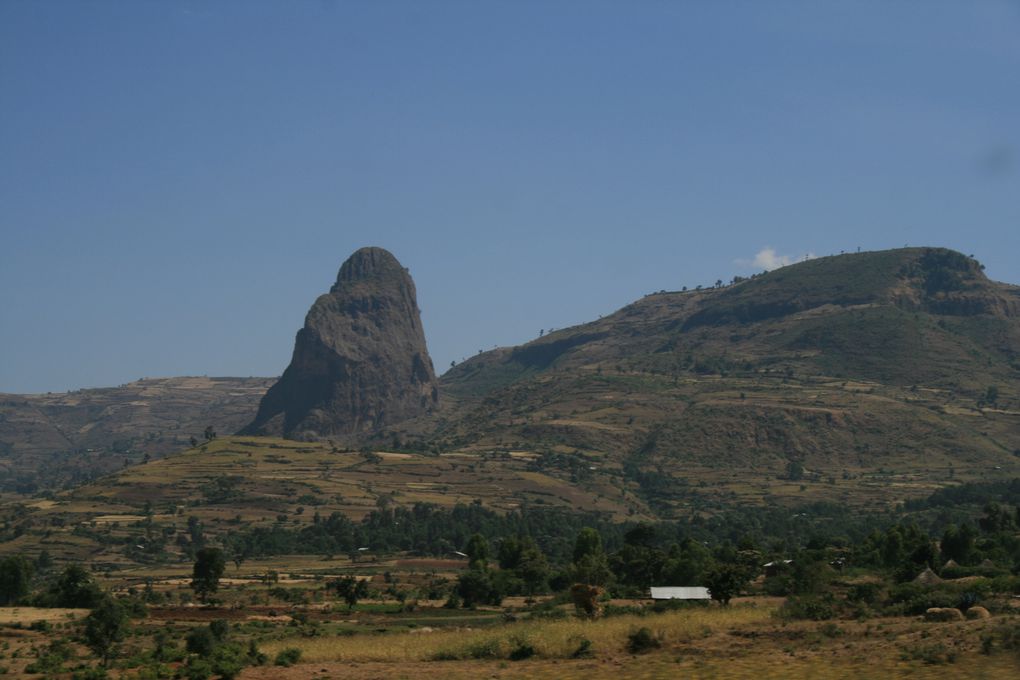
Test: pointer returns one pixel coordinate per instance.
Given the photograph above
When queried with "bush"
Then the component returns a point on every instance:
(642, 640)
(255, 655)
(287, 657)
(485, 649)
(91, 674)
(912, 599)
(866, 593)
(521, 649)
(934, 654)
(812, 607)
(201, 641)
(584, 650)
(197, 669)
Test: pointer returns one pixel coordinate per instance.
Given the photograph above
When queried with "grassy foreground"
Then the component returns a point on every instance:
(742, 641)
(550, 639)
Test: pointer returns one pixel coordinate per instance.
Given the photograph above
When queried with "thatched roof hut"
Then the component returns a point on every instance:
(928, 578)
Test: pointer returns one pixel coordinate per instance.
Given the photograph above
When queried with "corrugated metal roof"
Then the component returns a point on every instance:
(680, 593)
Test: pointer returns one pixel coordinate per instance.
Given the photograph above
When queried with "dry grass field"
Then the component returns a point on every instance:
(744, 641)
(28, 615)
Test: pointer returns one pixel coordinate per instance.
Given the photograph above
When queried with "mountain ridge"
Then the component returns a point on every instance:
(904, 362)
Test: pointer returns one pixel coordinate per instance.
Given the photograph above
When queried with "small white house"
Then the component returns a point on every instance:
(680, 593)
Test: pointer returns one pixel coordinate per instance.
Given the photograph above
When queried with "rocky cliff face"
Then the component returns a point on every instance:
(360, 363)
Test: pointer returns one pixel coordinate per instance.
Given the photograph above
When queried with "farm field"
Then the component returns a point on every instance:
(378, 640)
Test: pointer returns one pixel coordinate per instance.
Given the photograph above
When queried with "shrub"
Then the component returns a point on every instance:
(197, 669)
(642, 640)
(91, 674)
(521, 649)
(584, 649)
(811, 607)
(485, 649)
(911, 599)
(287, 657)
(867, 593)
(201, 641)
(934, 654)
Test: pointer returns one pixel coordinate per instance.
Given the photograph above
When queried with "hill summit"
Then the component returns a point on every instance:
(360, 362)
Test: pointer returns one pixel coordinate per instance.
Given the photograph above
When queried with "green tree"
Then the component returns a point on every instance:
(75, 588)
(477, 551)
(351, 589)
(105, 628)
(590, 565)
(592, 570)
(588, 542)
(893, 551)
(475, 587)
(958, 543)
(44, 562)
(509, 552)
(689, 567)
(15, 578)
(205, 576)
(724, 582)
(532, 567)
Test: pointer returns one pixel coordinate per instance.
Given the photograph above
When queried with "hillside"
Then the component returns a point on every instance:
(234, 484)
(864, 380)
(875, 374)
(68, 437)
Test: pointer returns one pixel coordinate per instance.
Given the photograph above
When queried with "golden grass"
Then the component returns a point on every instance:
(648, 668)
(25, 615)
(551, 639)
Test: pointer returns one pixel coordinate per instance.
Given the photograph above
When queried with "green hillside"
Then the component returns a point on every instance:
(877, 374)
(865, 380)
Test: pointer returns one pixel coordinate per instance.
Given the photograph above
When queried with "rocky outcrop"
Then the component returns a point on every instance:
(360, 363)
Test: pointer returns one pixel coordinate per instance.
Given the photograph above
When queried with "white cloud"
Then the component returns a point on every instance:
(768, 259)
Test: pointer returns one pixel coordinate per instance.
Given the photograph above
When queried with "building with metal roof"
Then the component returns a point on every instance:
(680, 593)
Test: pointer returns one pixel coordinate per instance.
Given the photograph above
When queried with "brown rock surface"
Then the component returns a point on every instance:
(360, 363)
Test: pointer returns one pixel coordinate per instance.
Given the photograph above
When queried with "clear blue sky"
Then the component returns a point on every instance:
(180, 180)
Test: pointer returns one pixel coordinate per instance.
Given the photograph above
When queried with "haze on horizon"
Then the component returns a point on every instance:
(180, 180)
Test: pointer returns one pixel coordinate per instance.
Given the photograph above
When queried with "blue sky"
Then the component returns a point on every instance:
(180, 180)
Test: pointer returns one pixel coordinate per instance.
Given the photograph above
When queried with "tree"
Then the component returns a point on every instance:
(724, 582)
(475, 587)
(992, 394)
(592, 570)
(642, 535)
(509, 553)
(205, 577)
(590, 566)
(588, 542)
(958, 543)
(689, 567)
(195, 531)
(15, 577)
(105, 628)
(795, 471)
(209, 433)
(477, 551)
(351, 589)
(75, 588)
(44, 562)
(532, 567)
